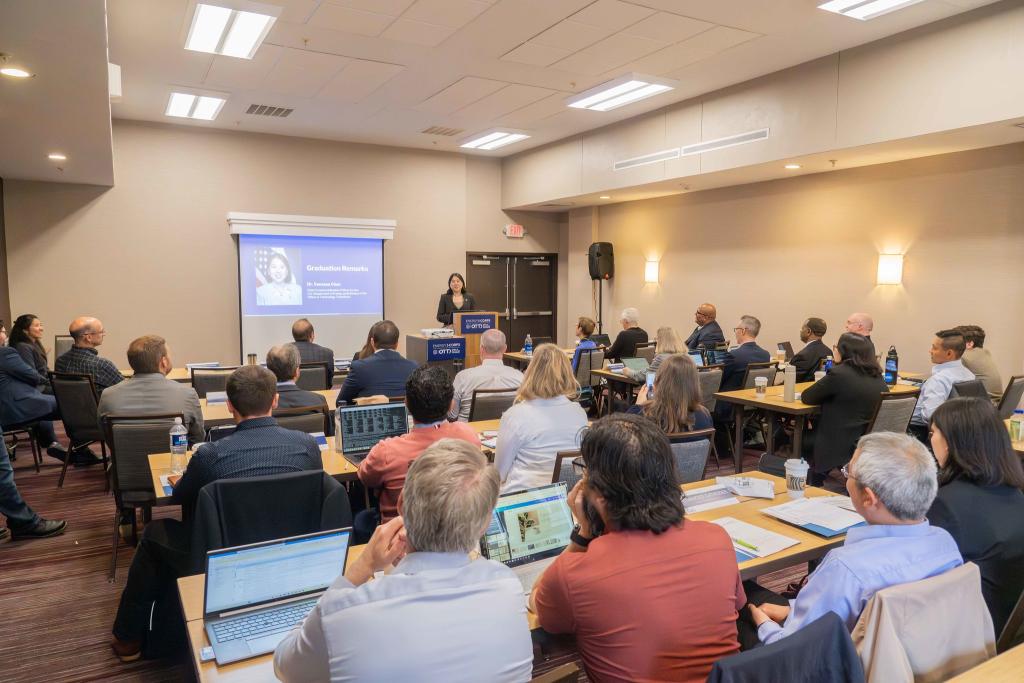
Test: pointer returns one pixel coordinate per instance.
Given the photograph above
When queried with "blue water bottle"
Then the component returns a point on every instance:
(528, 346)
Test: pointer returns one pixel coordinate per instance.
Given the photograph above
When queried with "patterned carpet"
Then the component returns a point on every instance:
(57, 604)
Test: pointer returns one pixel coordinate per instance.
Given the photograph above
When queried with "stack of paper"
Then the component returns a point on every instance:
(213, 397)
(166, 484)
(321, 440)
(751, 541)
(813, 514)
(708, 498)
(748, 486)
(211, 364)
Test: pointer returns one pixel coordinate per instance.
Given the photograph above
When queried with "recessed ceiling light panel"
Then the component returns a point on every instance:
(233, 28)
(493, 139)
(620, 92)
(865, 9)
(56, 156)
(203, 107)
(792, 167)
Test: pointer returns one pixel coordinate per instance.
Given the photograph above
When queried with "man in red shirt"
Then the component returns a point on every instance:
(428, 395)
(650, 597)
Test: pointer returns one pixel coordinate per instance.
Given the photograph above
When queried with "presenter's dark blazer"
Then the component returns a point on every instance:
(446, 307)
(807, 360)
(384, 373)
(20, 399)
(708, 336)
(314, 353)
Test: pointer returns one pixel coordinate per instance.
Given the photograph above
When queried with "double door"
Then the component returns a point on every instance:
(521, 287)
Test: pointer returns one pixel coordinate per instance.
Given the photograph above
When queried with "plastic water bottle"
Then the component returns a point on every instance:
(892, 366)
(1017, 426)
(829, 362)
(179, 444)
(789, 384)
(528, 345)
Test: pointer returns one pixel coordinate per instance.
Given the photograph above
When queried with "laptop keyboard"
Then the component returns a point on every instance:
(251, 626)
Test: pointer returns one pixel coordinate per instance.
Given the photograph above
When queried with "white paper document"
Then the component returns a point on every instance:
(748, 486)
(753, 540)
(814, 511)
(489, 443)
(839, 501)
(708, 498)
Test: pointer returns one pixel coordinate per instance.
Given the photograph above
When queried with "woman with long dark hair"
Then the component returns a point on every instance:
(27, 340)
(456, 300)
(980, 502)
(676, 406)
(848, 396)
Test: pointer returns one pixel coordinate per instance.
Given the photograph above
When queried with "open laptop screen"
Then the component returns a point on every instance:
(265, 572)
(363, 426)
(528, 526)
(601, 339)
(697, 358)
(636, 364)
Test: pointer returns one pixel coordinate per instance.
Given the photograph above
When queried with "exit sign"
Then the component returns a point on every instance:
(514, 230)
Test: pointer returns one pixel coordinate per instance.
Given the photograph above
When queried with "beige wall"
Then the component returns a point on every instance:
(784, 250)
(153, 254)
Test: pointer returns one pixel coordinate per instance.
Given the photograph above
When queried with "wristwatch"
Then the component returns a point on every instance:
(578, 539)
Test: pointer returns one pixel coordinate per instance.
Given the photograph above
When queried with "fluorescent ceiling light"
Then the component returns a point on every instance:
(865, 9)
(56, 156)
(792, 167)
(14, 72)
(191, 106)
(620, 92)
(493, 139)
(226, 31)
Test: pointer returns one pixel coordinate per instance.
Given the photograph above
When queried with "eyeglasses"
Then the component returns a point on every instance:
(845, 469)
(579, 467)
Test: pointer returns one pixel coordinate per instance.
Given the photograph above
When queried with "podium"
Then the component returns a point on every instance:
(442, 351)
(470, 326)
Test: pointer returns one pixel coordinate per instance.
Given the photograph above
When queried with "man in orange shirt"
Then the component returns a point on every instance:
(428, 395)
(650, 597)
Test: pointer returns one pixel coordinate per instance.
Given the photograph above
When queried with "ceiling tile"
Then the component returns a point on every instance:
(537, 55)
(243, 74)
(417, 33)
(302, 73)
(507, 99)
(572, 35)
(460, 94)
(532, 113)
(612, 14)
(608, 54)
(358, 79)
(670, 28)
(348, 20)
(391, 8)
(297, 11)
(695, 49)
(449, 13)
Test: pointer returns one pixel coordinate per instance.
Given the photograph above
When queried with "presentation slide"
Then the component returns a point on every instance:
(336, 282)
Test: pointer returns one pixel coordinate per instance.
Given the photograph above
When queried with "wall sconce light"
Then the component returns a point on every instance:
(651, 272)
(890, 269)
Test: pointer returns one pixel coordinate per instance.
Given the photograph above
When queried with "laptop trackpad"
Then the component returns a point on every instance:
(267, 643)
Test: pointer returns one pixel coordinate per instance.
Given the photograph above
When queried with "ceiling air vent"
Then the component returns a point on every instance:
(722, 143)
(654, 157)
(268, 110)
(556, 206)
(441, 130)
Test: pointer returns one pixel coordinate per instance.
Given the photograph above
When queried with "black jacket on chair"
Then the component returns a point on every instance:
(706, 336)
(384, 373)
(807, 359)
(848, 399)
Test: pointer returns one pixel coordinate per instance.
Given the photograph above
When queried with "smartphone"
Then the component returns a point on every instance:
(650, 384)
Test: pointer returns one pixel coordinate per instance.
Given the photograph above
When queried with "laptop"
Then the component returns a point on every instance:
(363, 426)
(788, 348)
(697, 357)
(528, 530)
(256, 594)
(601, 339)
(636, 364)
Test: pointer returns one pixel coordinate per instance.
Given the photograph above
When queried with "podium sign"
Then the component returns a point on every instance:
(452, 348)
(471, 326)
(477, 323)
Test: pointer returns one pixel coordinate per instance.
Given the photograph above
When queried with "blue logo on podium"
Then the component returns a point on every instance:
(477, 324)
(453, 348)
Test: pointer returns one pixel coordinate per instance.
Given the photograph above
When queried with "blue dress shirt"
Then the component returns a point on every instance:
(936, 388)
(872, 558)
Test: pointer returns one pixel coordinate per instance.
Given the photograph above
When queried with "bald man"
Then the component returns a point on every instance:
(708, 332)
(492, 373)
(84, 359)
(862, 324)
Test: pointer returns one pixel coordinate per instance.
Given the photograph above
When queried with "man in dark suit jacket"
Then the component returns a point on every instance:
(303, 334)
(708, 332)
(22, 402)
(259, 447)
(747, 352)
(384, 372)
(806, 361)
(284, 361)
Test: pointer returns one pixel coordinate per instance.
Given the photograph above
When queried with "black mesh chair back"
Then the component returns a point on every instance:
(490, 404)
(311, 419)
(78, 403)
(219, 432)
(972, 388)
(62, 343)
(590, 360)
(645, 351)
(755, 370)
(690, 456)
(893, 412)
(205, 380)
(313, 377)
(710, 381)
(564, 471)
(132, 438)
(1011, 397)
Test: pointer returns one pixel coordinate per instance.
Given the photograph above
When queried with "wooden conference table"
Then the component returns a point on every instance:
(810, 547)
(176, 374)
(519, 360)
(772, 402)
(1007, 667)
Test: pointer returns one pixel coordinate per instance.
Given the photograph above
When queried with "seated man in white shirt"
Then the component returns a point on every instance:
(437, 614)
(492, 373)
(947, 348)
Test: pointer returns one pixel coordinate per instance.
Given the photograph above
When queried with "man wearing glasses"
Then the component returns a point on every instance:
(708, 332)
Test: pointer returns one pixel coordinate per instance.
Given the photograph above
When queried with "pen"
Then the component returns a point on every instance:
(749, 546)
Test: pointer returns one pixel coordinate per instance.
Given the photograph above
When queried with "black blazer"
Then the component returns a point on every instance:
(36, 359)
(20, 398)
(706, 336)
(987, 523)
(735, 367)
(314, 353)
(625, 343)
(384, 373)
(446, 307)
(806, 361)
(848, 400)
(291, 396)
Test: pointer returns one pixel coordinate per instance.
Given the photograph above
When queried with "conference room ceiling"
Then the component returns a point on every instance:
(383, 71)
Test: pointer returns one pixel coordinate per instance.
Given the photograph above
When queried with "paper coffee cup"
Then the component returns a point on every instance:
(796, 477)
(819, 375)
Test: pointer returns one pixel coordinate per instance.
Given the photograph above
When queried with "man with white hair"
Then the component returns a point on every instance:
(892, 483)
(492, 373)
(631, 335)
(862, 324)
(437, 614)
